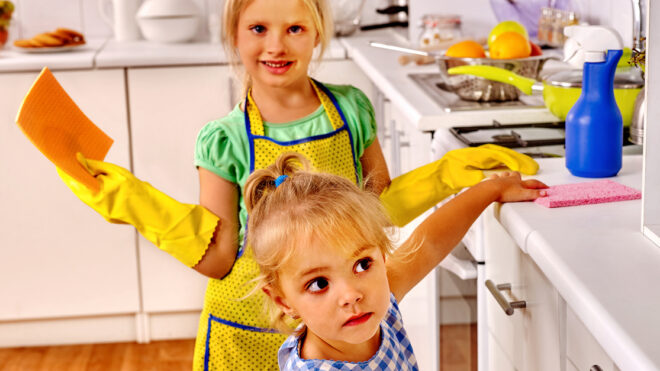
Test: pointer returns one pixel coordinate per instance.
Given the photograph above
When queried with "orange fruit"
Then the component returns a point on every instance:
(510, 45)
(466, 49)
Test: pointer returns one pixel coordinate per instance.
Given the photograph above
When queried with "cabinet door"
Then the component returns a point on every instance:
(582, 350)
(168, 108)
(530, 337)
(59, 258)
(341, 72)
(420, 308)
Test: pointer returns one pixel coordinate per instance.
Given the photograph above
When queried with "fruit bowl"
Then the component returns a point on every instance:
(478, 89)
(6, 10)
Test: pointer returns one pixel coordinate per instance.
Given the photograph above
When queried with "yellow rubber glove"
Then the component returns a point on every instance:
(182, 230)
(411, 194)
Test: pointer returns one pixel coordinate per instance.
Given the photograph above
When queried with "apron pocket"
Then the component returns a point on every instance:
(239, 347)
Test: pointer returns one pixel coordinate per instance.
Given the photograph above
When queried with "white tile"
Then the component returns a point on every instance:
(94, 25)
(37, 16)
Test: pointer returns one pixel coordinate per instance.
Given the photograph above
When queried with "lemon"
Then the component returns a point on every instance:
(506, 26)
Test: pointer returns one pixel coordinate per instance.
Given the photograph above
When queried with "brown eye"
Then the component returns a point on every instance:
(258, 29)
(317, 285)
(295, 29)
(363, 265)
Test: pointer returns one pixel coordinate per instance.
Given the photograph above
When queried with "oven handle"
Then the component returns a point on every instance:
(464, 269)
(506, 306)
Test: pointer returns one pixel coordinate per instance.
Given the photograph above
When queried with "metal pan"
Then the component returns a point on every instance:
(474, 88)
(562, 89)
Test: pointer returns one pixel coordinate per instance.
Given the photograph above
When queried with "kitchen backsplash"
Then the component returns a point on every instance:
(36, 16)
(477, 22)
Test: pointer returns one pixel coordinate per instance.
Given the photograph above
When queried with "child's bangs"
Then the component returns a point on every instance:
(346, 222)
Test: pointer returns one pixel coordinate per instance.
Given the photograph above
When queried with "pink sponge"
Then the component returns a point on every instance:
(587, 193)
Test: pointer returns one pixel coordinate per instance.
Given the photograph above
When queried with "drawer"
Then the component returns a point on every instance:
(497, 359)
(503, 260)
(582, 349)
(530, 336)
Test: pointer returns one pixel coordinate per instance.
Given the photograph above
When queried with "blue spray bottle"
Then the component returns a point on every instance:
(594, 128)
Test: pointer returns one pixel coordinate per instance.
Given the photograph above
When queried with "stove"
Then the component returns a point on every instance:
(433, 85)
(535, 140)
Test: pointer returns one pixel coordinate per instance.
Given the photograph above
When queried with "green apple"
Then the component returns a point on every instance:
(506, 26)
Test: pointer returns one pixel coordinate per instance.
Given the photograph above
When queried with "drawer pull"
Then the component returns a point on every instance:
(507, 306)
(595, 368)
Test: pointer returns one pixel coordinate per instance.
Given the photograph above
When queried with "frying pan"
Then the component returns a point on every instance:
(562, 89)
(475, 88)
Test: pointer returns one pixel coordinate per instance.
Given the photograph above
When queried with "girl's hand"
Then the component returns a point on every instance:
(513, 188)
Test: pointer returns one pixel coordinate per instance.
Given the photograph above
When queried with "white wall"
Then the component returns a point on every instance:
(478, 17)
(36, 16)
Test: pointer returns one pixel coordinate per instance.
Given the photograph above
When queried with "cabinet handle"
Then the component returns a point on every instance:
(403, 144)
(595, 368)
(507, 306)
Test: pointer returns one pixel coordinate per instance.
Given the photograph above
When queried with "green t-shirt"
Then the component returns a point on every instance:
(222, 145)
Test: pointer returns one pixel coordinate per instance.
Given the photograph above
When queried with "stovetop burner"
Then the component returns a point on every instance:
(535, 139)
(432, 84)
(512, 136)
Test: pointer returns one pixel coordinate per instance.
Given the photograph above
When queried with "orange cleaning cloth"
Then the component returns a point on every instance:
(59, 129)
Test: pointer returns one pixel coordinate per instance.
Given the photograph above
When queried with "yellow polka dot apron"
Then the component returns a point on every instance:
(234, 333)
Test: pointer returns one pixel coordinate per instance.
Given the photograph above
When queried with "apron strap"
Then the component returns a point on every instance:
(335, 115)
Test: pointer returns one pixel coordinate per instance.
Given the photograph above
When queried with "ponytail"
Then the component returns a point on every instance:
(262, 182)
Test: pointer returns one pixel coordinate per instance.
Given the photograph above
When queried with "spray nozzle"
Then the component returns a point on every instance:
(587, 39)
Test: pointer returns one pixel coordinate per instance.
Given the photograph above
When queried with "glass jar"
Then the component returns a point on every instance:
(438, 29)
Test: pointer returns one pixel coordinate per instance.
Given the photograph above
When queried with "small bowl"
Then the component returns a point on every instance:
(169, 29)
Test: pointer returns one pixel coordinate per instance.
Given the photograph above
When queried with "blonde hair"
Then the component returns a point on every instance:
(321, 15)
(327, 207)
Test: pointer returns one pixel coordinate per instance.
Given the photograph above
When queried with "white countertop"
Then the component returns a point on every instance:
(600, 263)
(424, 113)
(101, 53)
(13, 60)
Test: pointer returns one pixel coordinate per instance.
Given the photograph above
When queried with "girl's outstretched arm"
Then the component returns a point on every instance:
(374, 167)
(219, 196)
(443, 230)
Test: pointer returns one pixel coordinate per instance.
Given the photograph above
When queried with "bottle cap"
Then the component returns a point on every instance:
(594, 57)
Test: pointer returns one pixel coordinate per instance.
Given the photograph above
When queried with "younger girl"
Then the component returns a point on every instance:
(325, 259)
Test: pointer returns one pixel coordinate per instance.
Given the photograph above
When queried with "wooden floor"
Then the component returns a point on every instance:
(159, 355)
(458, 343)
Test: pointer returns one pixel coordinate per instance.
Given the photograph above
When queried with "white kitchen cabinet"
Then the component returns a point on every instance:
(497, 358)
(582, 350)
(343, 72)
(650, 197)
(544, 335)
(168, 108)
(60, 261)
(408, 149)
(530, 337)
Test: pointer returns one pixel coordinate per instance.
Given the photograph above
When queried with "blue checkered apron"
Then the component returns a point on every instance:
(395, 351)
